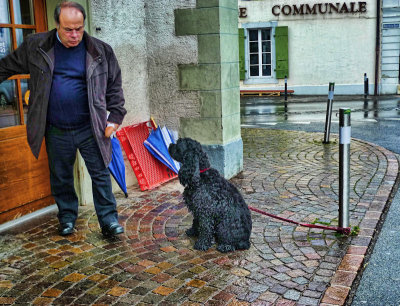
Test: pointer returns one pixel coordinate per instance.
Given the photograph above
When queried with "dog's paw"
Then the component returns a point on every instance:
(201, 245)
(243, 245)
(191, 232)
(225, 248)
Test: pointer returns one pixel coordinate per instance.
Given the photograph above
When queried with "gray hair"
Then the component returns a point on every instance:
(64, 4)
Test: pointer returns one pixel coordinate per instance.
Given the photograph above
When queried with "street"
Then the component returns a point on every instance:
(375, 120)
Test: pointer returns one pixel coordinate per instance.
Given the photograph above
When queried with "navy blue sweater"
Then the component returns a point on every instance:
(68, 104)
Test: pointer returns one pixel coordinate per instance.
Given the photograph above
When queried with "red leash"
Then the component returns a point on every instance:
(342, 230)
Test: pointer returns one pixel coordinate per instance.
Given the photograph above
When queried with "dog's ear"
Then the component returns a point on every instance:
(203, 159)
(189, 173)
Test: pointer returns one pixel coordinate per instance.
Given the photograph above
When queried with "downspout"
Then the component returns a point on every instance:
(378, 45)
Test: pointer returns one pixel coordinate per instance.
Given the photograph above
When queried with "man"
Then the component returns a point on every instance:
(75, 80)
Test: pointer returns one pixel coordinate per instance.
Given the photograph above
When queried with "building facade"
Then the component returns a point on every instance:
(314, 43)
(390, 46)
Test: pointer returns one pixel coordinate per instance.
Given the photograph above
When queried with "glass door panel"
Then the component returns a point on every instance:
(25, 96)
(21, 34)
(5, 42)
(18, 19)
(23, 12)
(9, 115)
(4, 12)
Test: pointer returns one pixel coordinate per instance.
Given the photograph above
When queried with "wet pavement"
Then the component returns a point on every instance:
(273, 111)
(288, 173)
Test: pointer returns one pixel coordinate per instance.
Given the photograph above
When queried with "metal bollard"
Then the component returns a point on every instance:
(366, 85)
(329, 113)
(344, 166)
(285, 88)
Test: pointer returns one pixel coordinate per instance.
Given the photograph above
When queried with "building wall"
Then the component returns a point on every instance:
(165, 51)
(323, 48)
(122, 25)
(390, 46)
(142, 34)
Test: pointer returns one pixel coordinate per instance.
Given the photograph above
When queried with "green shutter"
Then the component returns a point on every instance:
(241, 55)
(282, 52)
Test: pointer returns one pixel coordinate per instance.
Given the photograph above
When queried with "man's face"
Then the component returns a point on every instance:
(71, 27)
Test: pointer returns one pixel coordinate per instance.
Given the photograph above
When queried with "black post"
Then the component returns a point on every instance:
(285, 88)
(365, 86)
(329, 113)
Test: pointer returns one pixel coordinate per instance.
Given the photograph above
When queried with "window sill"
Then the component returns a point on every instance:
(260, 81)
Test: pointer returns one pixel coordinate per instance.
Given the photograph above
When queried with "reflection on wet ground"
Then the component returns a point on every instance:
(273, 110)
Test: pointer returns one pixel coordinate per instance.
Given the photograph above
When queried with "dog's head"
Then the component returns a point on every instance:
(190, 153)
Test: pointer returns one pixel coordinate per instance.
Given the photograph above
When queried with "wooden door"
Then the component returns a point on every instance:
(24, 181)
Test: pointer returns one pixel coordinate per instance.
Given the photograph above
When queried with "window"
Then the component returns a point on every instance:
(260, 52)
(17, 20)
(263, 52)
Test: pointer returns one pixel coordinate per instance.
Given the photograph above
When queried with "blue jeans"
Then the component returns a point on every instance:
(62, 146)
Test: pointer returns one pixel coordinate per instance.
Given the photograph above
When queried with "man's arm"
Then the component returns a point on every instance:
(114, 94)
(14, 63)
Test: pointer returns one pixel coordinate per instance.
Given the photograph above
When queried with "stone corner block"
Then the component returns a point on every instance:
(215, 3)
(227, 159)
(200, 77)
(220, 103)
(208, 76)
(204, 130)
(196, 21)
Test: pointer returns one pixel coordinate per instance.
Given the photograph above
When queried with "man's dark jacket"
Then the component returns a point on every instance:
(35, 56)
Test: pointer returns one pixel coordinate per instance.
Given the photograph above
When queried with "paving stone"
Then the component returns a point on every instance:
(153, 299)
(6, 300)
(259, 288)
(312, 294)
(179, 296)
(64, 300)
(72, 292)
(86, 299)
(52, 292)
(74, 277)
(118, 291)
(335, 295)
(163, 290)
(292, 295)
(308, 301)
(106, 300)
(278, 289)
(300, 280)
(343, 278)
(196, 283)
(63, 286)
(281, 277)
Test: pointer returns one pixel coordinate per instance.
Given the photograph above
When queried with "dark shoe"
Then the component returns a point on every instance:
(112, 229)
(66, 229)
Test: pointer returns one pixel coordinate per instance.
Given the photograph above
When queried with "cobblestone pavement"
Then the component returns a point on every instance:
(286, 173)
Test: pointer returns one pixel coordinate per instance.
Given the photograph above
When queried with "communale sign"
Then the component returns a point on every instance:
(320, 8)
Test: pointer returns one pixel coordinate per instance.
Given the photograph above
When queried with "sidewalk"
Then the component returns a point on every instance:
(287, 173)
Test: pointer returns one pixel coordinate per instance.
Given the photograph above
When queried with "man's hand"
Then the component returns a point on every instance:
(111, 128)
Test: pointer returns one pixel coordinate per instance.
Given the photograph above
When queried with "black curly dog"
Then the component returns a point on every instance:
(219, 210)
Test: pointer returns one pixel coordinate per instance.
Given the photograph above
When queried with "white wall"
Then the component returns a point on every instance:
(326, 48)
